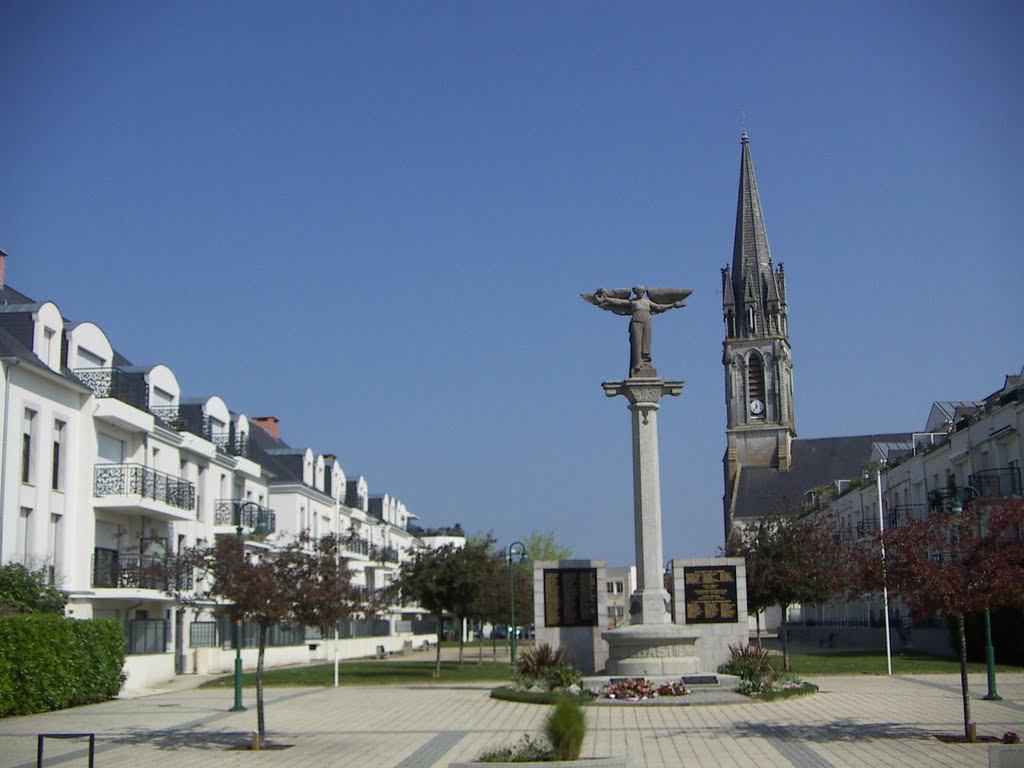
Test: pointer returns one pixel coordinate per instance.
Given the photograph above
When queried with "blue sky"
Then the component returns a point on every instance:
(373, 220)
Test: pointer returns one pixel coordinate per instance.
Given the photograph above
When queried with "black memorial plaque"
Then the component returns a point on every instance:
(710, 592)
(570, 597)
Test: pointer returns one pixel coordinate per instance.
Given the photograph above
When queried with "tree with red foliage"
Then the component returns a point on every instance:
(955, 564)
(305, 582)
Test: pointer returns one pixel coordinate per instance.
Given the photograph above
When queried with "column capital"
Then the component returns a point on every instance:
(643, 391)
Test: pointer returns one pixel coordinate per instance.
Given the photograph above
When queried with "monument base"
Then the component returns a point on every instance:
(648, 650)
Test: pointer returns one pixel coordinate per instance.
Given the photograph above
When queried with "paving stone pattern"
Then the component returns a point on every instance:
(862, 721)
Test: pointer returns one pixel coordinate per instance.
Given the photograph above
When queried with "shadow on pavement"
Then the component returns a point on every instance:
(171, 740)
(839, 730)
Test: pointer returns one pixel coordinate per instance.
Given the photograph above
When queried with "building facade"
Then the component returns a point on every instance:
(108, 473)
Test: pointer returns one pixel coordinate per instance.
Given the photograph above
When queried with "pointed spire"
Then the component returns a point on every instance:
(756, 287)
(750, 246)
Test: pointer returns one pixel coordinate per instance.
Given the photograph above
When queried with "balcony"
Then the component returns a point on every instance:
(255, 519)
(997, 483)
(135, 488)
(116, 383)
(170, 416)
(356, 546)
(901, 515)
(229, 442)
(118, 570)
(123, 398)
(385, 554)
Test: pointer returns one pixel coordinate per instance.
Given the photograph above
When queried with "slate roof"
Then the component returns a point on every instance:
(9, 295)
(814, 462)
(943, 412)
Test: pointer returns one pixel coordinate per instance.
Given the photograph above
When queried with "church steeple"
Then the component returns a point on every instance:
(758, 363)
(753, 291)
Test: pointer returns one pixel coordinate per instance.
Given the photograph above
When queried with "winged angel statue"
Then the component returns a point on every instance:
(640, 304)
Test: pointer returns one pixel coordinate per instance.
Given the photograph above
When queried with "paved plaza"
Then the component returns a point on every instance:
(853, 721)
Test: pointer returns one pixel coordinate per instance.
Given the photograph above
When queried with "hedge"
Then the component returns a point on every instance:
(48, 662)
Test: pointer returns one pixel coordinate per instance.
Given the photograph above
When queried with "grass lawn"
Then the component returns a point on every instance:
(373, 673)
(873, 663)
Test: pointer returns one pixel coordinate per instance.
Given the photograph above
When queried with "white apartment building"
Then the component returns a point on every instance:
(106, 471)
(966, 449)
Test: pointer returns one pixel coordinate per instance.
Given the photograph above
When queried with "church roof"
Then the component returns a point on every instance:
(815, 462)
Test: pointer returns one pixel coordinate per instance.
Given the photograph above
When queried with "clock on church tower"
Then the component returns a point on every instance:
(756, 353)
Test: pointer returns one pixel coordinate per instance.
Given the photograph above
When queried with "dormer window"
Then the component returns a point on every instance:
(51, 351)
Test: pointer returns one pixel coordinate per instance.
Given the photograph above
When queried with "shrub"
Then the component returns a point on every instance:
(546, 666)
(562, 678)
(25, 591)
(48, 662)
(748, 661)
(565, 727)
(535, 662)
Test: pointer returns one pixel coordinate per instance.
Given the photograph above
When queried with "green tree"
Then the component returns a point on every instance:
(745, 544)
(26, 591)
(542, 545)
(493, 602)
(447, 579)
(791, 560)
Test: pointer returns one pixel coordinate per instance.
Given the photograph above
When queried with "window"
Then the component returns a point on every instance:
(57, 478)
(47, 343)
(28, 425)
(755, 385)
(24, 536)
(611, 587)
(55, 542)
(110, 449)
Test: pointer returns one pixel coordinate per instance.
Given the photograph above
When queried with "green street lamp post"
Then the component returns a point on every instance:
(516, 553)
(990, 652)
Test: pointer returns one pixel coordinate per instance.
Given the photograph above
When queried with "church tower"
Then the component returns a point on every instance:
(756, 354)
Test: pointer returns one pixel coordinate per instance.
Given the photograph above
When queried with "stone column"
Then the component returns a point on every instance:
(650, 603)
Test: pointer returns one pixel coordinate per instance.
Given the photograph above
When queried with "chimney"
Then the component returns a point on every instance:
(270, 424)
(3, 266)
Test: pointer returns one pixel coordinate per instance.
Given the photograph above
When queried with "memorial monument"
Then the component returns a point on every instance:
(652, 644)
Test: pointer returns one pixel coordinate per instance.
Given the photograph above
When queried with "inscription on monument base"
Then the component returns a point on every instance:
(710, 594)
(570, 597)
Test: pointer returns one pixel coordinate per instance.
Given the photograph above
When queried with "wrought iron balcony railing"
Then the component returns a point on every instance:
(171, 416)
(116, 383)
(261, 520)
(388, 555)
(137, 480)
(118, 570)
(900, 515)
(229, 442)
(1001, 482)
(356, 545)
